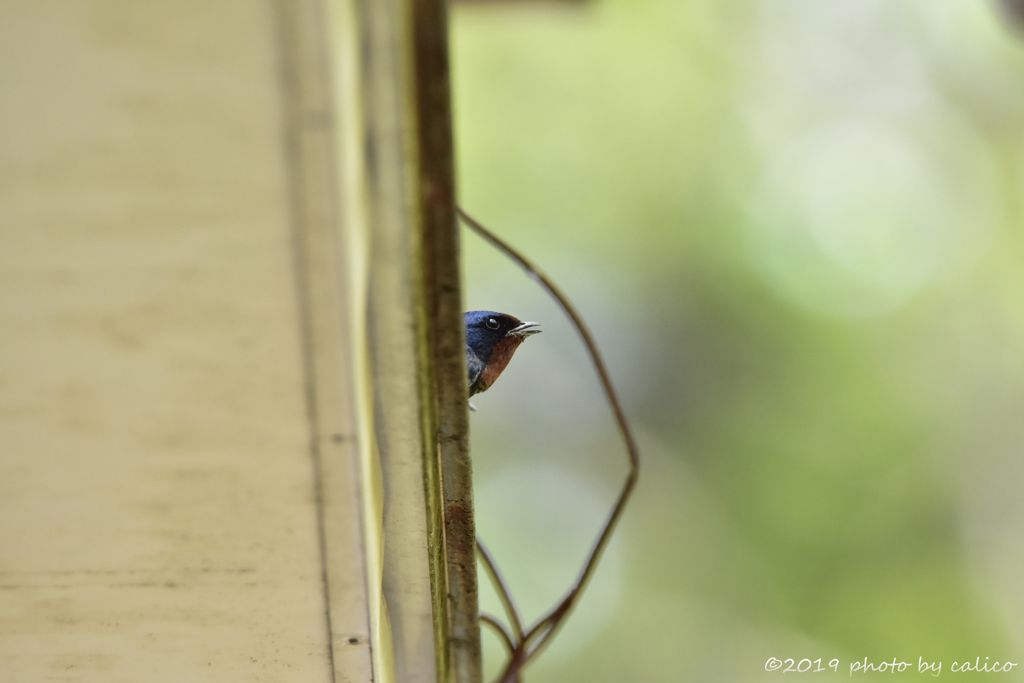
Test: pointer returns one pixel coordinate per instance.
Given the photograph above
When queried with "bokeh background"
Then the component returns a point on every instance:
(795, 229)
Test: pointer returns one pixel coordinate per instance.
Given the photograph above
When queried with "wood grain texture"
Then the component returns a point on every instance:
(158, 517)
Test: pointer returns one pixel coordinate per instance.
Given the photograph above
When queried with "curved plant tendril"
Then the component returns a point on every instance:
(523, 645)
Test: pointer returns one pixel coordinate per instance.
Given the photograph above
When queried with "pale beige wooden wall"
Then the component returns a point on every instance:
(158, 515)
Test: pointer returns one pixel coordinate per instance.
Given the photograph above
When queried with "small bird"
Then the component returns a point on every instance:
(491, 339)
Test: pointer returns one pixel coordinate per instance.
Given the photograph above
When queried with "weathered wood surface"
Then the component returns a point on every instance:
(158, 518)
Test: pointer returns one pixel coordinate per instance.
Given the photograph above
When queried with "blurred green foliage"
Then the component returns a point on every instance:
(821, 478)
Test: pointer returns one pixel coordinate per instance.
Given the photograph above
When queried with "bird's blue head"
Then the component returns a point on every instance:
(486, 329)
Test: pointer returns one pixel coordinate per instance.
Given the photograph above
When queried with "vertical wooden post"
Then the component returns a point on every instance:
(396, 192)
(446, 335)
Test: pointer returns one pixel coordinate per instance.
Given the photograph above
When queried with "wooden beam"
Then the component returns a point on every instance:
(397, 206)
(446, 336)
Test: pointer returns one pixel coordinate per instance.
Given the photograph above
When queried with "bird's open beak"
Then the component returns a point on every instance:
(523, 330)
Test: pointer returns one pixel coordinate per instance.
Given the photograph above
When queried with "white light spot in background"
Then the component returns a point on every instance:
(857, 215)
(874, 186)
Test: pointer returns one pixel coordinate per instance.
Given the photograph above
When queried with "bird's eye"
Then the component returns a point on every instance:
(492, 323)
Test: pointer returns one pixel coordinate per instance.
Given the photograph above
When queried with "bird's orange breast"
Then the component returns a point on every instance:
(500, 357)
